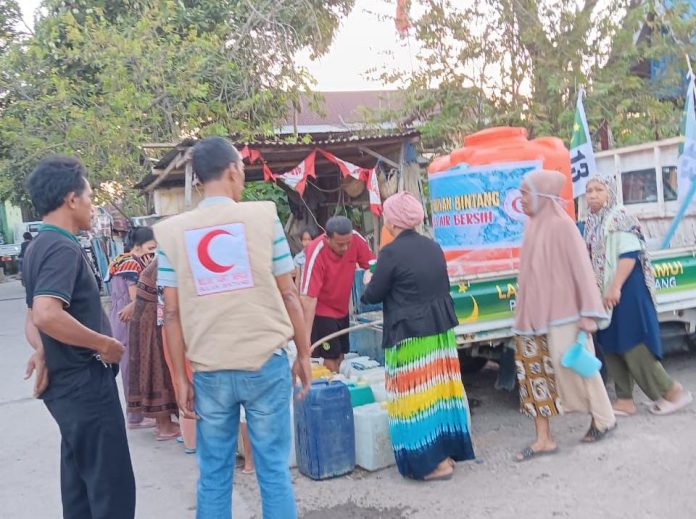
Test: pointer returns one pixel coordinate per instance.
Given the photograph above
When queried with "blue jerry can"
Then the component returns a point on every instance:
(324, 431)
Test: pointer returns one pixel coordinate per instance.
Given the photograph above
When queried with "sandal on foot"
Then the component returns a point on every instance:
(528, 453)
(248, 472)
(167, 436)
(594, 435)
(664, 407)
(619, 412)
(146, 423)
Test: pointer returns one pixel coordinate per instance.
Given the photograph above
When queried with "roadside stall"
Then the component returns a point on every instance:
(325, 175)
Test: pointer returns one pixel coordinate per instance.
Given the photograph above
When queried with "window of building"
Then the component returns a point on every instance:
(670, 183)
(639, 186)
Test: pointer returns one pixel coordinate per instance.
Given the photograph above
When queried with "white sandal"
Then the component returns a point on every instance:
(664, 407)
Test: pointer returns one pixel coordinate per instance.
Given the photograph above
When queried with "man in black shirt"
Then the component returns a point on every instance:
(75, 359)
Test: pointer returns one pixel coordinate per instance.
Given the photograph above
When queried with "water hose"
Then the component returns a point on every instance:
(371, 324)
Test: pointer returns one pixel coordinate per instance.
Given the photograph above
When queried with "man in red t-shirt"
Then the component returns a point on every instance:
(327, 283)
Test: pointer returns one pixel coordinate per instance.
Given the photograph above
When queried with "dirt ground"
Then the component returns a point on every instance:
(647, 469)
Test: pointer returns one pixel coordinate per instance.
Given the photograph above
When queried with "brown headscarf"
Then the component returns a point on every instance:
(556, 281)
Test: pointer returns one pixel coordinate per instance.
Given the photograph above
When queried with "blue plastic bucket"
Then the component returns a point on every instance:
(579, 359)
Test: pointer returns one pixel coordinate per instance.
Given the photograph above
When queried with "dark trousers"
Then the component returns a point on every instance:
(96, 475)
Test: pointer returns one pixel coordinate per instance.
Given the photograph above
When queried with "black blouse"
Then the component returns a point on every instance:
(411, 280)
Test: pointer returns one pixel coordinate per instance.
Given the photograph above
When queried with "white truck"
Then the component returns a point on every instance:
(646, 177)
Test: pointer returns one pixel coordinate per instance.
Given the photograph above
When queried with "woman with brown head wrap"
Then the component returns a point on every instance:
(428, 413)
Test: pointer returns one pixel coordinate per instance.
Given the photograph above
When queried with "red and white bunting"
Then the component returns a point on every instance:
(373, 190)
(249, 154)
(268, 175)
(347, 169)
(296, 178)
(401, 20)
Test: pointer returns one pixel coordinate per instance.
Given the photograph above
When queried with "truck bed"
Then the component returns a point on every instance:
(485, 303)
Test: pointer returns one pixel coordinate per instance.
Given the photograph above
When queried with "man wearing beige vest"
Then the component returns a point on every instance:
(231, 306)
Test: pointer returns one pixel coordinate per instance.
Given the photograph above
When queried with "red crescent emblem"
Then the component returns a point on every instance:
(204, 253)
(517, 204)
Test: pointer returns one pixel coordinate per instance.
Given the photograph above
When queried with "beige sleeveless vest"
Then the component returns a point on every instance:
(232, 313)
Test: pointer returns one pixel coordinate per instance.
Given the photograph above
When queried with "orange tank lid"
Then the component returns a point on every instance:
(499, 133)
(440, 163)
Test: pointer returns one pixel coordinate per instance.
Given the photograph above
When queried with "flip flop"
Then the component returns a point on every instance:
(248, 472)
(619, 412)
(528, 453)
(664, 407)
(594, 435)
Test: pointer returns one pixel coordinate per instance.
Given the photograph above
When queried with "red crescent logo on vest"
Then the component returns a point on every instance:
(204, 252)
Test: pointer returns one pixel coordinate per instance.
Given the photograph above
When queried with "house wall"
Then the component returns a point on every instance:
(170, 201)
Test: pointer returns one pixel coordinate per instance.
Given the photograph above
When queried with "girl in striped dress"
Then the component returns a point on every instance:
(428, 410)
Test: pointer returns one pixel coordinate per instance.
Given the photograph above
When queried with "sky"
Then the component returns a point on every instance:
(360, 44)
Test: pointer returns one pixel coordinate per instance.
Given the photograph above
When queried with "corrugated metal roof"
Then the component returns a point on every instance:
(317, 140)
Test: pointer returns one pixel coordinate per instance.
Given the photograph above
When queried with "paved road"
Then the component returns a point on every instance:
(30, 444)
(646, 470)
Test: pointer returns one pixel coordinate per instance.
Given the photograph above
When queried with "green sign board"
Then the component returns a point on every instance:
(480, 301)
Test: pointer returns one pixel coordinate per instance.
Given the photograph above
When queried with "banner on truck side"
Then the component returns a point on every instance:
(479, 207)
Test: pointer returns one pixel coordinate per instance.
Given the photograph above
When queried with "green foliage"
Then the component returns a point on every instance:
(10, 16)
(522, 62)
(258, 191)
(99, 78)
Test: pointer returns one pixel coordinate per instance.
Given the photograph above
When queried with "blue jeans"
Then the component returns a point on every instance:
(265, 395)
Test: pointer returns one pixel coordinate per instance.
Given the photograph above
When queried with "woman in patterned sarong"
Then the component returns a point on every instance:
(428, 410)
(150, 390)
(557, 298)
(123, 275)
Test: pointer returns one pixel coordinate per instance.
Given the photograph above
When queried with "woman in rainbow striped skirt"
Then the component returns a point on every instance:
(428, 411)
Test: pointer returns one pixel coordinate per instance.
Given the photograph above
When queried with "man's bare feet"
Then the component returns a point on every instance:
(443, 471)
(332, 364)
(624, 407)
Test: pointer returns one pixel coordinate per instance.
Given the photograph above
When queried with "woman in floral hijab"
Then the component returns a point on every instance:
(631, 340)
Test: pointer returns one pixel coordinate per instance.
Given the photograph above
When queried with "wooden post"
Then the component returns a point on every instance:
(377, 229)
(188, 185)
(402, 163)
